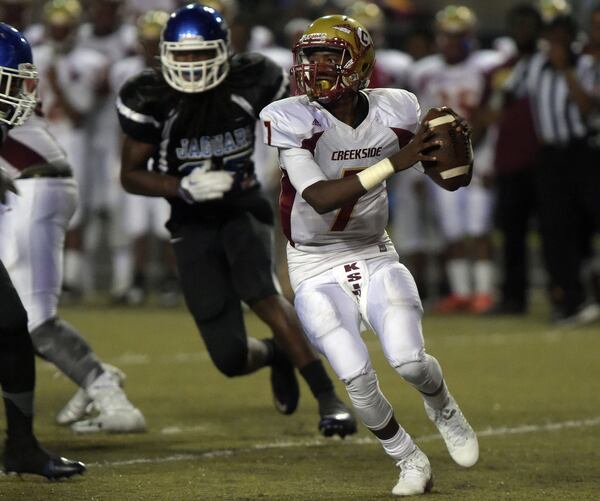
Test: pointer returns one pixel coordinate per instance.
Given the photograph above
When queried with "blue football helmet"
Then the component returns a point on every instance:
(195, 49)
(18, 77)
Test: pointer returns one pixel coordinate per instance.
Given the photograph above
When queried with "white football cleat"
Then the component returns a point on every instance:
(116, 414)
(80, 404)
(460, 438)
(415, 475)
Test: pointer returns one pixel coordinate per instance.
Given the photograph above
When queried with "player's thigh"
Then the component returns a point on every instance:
(247, 245)
(479, 209)
(450, 206)
(394, 310)
(203, 270)
(42, 211)
(331, 320)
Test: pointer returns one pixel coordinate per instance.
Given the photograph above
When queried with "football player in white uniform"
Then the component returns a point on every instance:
(107, 34)
(456, 77)
(69, 78)
(332, 144)
(32, 232)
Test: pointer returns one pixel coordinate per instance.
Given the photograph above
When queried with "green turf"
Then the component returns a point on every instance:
(214, 438)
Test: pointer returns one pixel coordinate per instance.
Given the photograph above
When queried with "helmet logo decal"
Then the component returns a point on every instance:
(345, 29)
(363, 36)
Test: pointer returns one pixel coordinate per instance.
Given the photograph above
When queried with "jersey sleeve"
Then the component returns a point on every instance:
(135, 108)
(286, 124)
(301, 168)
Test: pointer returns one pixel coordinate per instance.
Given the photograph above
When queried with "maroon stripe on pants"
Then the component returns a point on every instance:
(20, 155)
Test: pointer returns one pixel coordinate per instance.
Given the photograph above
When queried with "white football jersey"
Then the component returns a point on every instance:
(79, 73)
(460, 86)
(319, 241)
(28, 145)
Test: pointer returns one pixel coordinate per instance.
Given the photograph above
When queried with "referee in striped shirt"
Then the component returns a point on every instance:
(564, 92)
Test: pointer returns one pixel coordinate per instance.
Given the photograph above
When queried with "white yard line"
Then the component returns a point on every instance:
(320, 442)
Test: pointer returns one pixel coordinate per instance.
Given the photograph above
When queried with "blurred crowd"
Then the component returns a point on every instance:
(530, 89)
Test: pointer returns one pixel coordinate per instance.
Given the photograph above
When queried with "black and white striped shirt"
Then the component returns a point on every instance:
(557, 118)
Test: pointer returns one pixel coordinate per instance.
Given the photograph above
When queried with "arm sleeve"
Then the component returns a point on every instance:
(136, 115)
(301, 168)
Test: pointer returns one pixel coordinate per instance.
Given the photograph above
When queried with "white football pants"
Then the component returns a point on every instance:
(382, 292)
(32, 235)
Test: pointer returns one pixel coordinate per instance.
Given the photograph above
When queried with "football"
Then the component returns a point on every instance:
(454, 163)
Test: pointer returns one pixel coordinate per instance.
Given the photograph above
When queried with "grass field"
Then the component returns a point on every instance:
(532, 392)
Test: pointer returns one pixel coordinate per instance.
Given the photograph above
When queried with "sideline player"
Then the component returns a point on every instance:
(195, 123)
(135, 217)
(32, 233)
(456, 77)
(342, 264)
(22, 452)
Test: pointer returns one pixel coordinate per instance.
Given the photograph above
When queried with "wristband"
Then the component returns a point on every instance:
(376, 174)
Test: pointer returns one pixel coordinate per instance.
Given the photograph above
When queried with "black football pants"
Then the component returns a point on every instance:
(220, 265)
(17, 369)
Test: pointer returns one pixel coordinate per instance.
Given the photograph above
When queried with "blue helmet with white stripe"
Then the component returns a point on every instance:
(194, 49)
(18, 77)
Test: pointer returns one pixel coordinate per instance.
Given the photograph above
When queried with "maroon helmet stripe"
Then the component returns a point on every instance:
(286, 202)
(403, 135)
(20, 155)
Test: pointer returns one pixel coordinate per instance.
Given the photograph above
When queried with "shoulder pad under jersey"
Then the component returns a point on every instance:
(288, 122)
(139, 105)
(396, 108)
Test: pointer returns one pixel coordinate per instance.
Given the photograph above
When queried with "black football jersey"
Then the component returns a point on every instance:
(212, 130)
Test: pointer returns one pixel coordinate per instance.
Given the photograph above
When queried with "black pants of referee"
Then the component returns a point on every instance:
(567, 185)
(515, 208)
(221, 264)
(17, 366)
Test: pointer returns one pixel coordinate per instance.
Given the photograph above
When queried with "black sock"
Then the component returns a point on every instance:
(317, 378)
(18, 424)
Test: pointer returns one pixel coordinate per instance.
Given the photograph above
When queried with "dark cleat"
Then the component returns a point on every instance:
(336, 418)
(29, 457)
(284, 384)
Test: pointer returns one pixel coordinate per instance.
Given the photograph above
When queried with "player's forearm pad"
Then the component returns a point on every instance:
(376, 174)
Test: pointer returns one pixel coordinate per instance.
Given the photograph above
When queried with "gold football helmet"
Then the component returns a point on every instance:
(326, 82)
(455, 19)
(368, 14)
(551, 9)
(62, 12)
(151, 24)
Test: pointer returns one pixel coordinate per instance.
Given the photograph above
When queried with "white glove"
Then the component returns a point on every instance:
(201, 185)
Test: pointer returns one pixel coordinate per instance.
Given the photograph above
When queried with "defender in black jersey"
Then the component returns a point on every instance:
(22, 452)
(189, 137)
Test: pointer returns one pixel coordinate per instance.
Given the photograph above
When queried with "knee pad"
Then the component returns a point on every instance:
(56, 341)
(425, 374)
(368, 401)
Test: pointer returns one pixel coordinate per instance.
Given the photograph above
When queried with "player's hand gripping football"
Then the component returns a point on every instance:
(462, 125)
(201, 185)
(420, 148)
